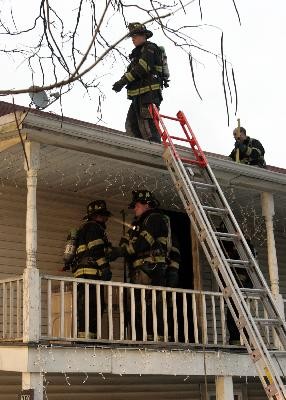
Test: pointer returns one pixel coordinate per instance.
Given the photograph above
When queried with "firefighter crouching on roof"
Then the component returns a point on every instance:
(247, 150)
(145, 249)
(146, 74)
(92, 253)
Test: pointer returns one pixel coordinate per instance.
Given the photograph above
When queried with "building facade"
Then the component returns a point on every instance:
(43, 194)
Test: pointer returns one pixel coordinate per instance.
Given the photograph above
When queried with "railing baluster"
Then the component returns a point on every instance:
(204, 320)
(185, 316)
(4, 309)
(74, 309)
(214, 319)
(121, 313)
(175, 317)
(98, 310)
(18, 313)
(11, 309)
(195, 318)
(222, 318)
(143, 308)
(133, 328)
(154, 314)
(86, 309)
(165, 315)
(110, 316)
(62, 309)
(49, 307)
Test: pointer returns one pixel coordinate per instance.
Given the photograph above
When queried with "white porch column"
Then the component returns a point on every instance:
(31, 280)
(224, 388)
(33, 381)
(267, 204)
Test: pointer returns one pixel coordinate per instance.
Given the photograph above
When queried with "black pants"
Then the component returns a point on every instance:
(155, 276)
(92, 304)
(139, 122)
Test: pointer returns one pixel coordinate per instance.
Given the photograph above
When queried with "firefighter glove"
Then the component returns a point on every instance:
(119, 85)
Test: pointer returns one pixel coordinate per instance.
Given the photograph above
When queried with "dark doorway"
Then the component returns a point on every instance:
(181, 229)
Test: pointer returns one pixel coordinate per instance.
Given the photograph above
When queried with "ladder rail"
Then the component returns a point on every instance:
(247, 248)
(243, 309)
(269, 376)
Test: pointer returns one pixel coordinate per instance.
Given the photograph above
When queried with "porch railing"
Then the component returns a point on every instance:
(125, 313)
(131, 313)
(11, 309)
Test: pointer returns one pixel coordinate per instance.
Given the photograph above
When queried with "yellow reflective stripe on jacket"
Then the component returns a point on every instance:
(142, 90)
(159, 68)
(130, 249)
(248, 151)
(81, 248)
(148, 260)
(95, 242)
(129, 76)
(174, 264)
(175, 250)
(101, 261)
(144, 65)
(162, 239)
(149, 238)
(255, 148)
(87, 271)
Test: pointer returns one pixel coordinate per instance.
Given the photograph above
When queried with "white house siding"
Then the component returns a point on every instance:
(57, 214)
(97, 387)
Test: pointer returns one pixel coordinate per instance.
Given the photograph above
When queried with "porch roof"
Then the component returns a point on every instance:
(93, 160)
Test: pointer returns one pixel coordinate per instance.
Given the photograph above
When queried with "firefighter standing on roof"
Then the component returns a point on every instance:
(92, 262)
(144, 80)
(247, 150)
(146, 250)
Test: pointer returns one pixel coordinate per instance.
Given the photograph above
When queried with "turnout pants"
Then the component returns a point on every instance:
(139, 122)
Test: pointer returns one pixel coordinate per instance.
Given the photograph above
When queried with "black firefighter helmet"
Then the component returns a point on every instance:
(97, 207)
(135, 28)
(144, 197)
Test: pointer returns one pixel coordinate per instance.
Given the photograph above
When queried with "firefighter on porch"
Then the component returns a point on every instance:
(146, 74)
(90, 261)
(247, 150)
(146, 248)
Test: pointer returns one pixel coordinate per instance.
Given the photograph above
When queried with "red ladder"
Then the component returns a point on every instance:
(193, 179)
(190, 137)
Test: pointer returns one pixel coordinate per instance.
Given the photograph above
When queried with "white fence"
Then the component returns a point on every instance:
(11, 309)
(121, 312)
(131, 312)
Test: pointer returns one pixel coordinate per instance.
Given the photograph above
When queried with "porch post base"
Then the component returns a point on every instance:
(224, 388)
(33, 381)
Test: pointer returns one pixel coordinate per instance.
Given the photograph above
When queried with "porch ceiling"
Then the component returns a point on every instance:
(89, 176)
(91, 161)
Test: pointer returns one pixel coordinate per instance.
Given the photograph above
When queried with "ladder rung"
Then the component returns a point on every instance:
(215, 210)
(203, 185)
(237, 262)
(253, 290)
(226, 236)
(269, 321)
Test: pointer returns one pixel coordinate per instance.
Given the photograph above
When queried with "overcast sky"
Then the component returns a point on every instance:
(256, 51)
